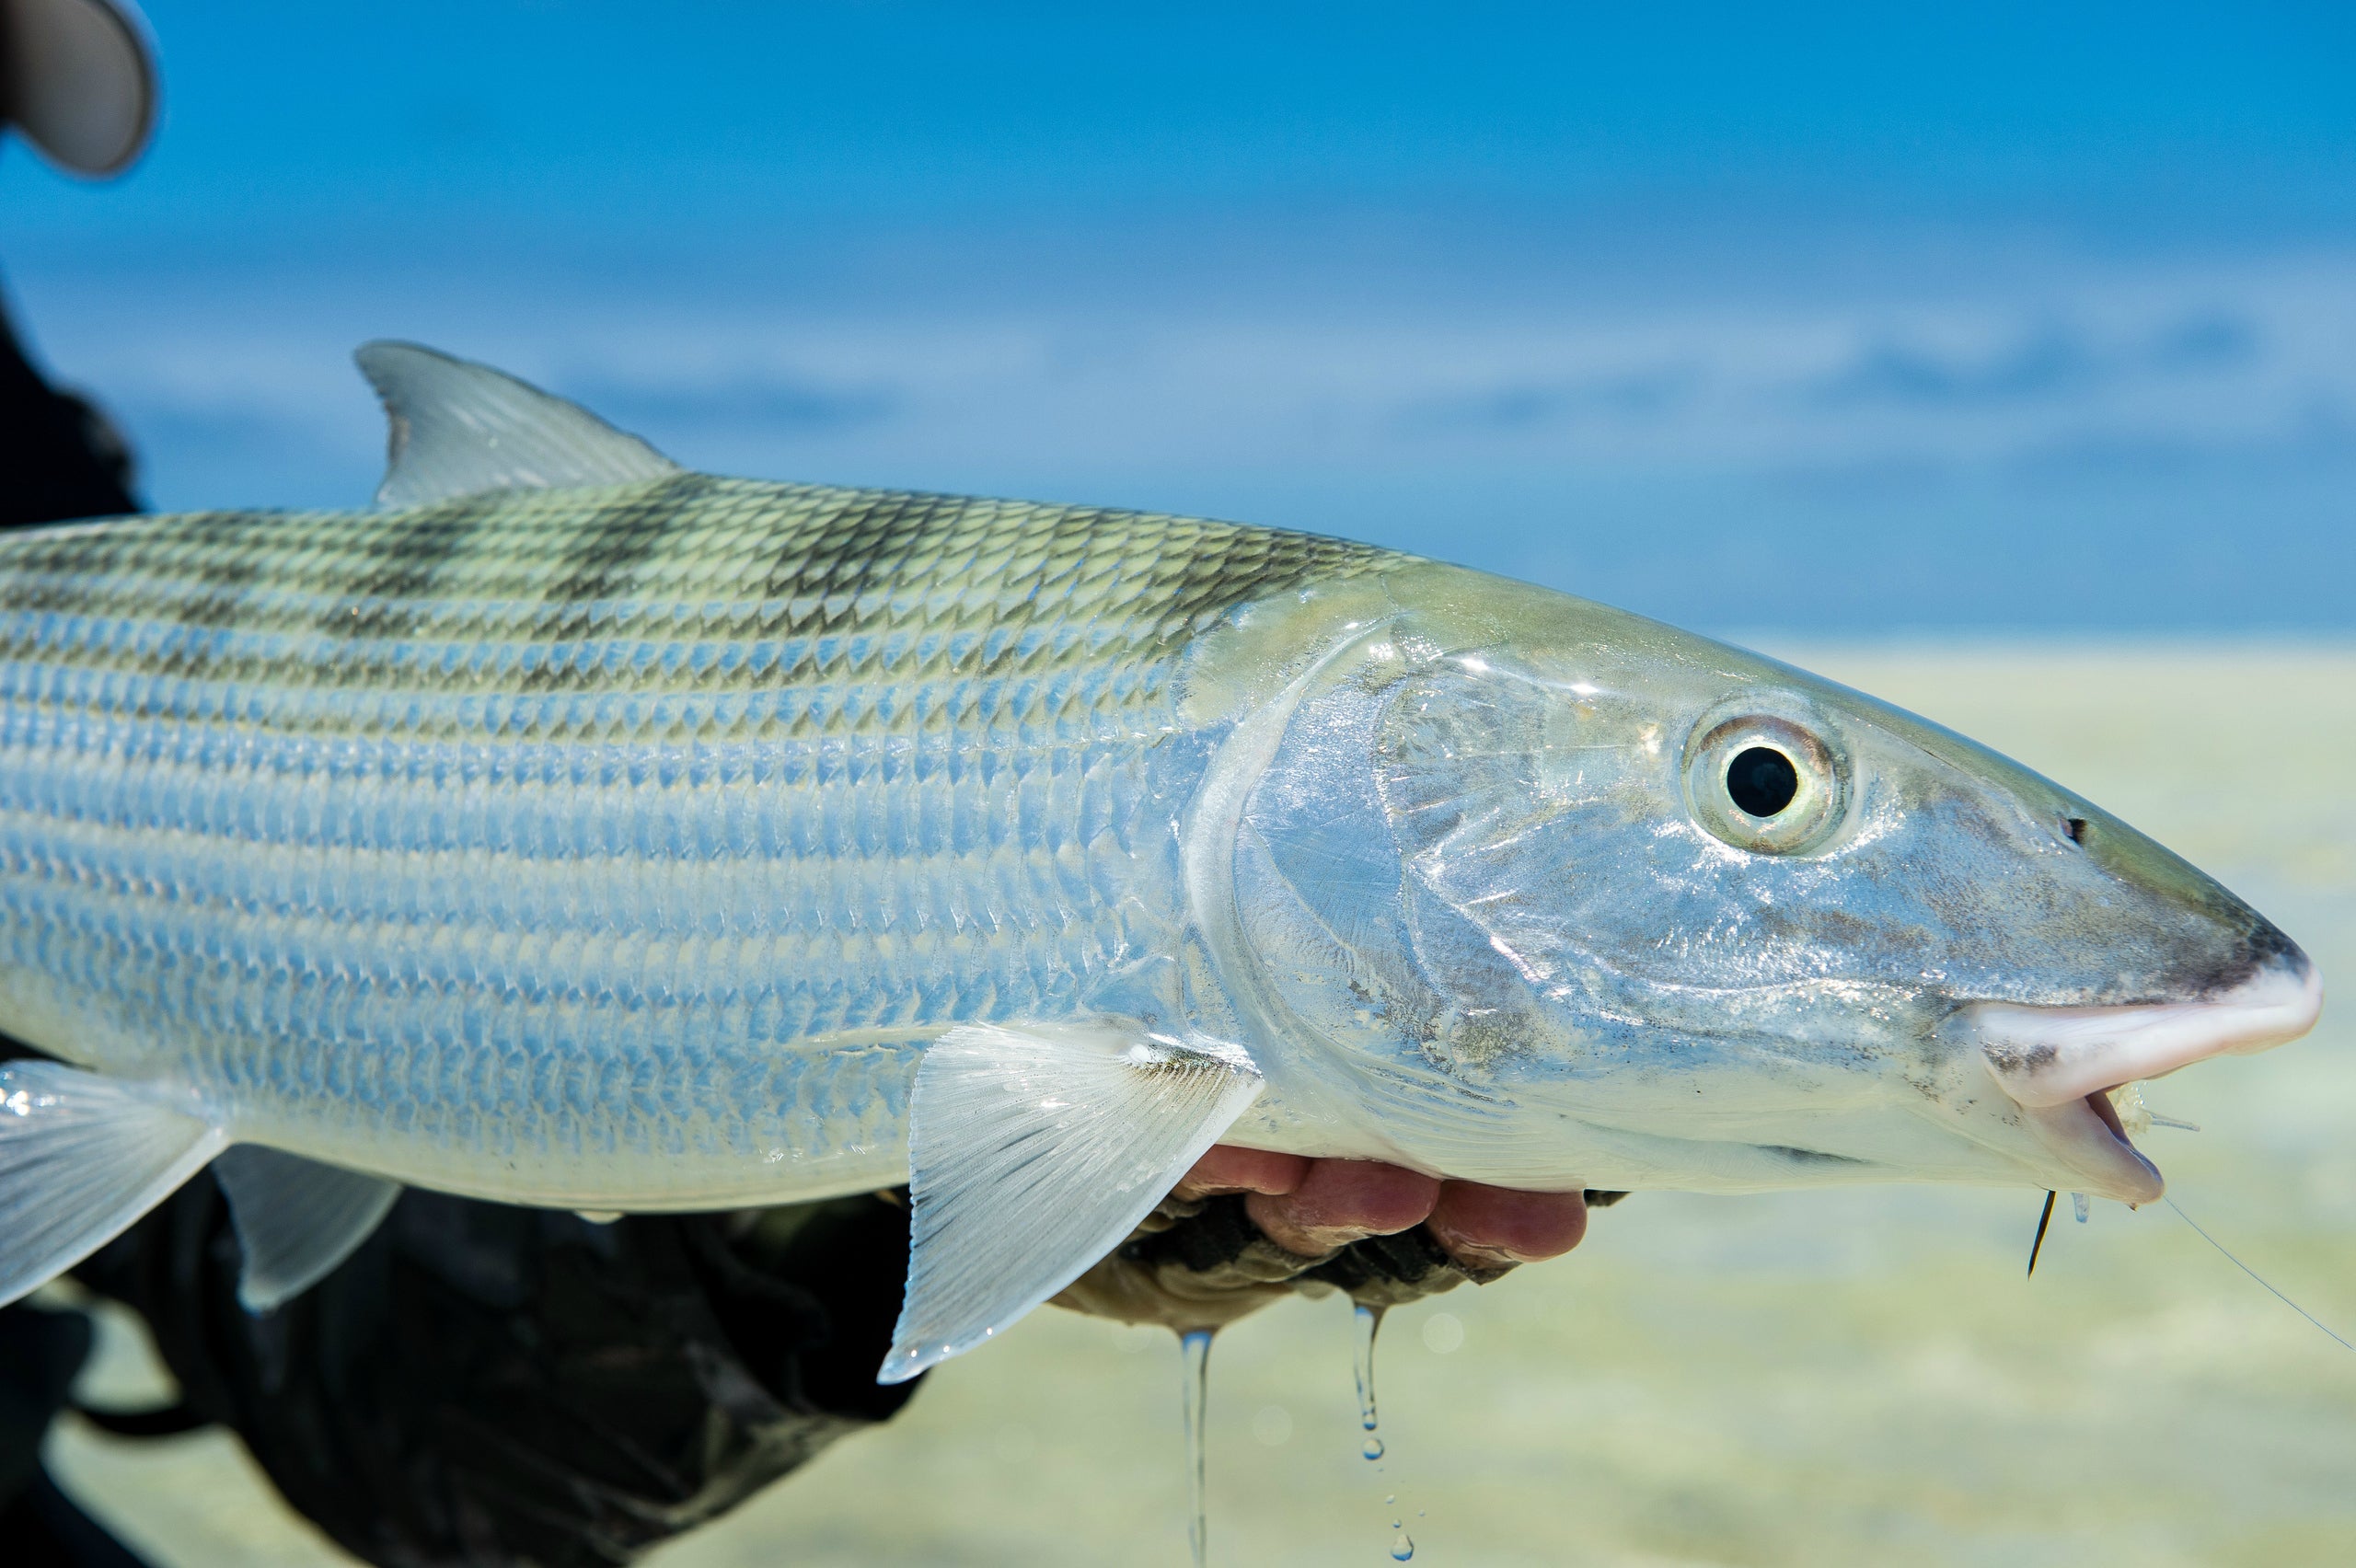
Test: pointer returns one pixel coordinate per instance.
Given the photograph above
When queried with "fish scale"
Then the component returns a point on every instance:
(554, 826)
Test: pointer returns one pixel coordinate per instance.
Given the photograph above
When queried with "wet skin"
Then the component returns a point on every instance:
(1312, 1206)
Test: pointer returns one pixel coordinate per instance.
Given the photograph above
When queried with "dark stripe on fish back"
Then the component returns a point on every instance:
(64, 577)
(568, 580)
(619, 535)
(615, 540)
(240, 549)
(400, 567)
(860, 546)
(1252, 563)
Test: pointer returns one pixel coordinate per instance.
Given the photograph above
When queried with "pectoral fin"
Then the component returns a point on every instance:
(1035, 1151)
(296, 1219)
(80, 1156)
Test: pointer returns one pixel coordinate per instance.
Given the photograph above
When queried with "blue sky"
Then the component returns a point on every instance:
(1853, 321)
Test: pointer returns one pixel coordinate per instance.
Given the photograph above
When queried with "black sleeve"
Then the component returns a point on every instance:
(59, 457)
(484, 1385)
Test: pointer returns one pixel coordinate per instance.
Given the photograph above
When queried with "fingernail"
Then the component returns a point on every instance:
(1479, 1253)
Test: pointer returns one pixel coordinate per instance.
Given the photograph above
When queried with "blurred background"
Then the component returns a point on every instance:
(1830, 319)
(2001, 360)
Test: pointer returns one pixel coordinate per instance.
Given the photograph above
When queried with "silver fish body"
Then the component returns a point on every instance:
(579, 831)
(611, 848)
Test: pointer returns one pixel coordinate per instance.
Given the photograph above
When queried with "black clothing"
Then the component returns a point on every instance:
(59, 457)
(482, 1384)
(39, 1354)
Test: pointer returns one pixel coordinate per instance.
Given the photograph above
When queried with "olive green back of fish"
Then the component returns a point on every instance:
(684, 585)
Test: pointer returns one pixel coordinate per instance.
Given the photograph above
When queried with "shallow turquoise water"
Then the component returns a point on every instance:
(1812, 1378)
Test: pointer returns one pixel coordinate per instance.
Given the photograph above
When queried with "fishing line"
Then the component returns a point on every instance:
(2039, 1245)
(2253, 1274)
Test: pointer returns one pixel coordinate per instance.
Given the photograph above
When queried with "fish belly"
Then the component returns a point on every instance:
(615, 849)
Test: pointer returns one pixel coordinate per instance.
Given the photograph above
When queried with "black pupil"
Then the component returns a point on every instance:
(1762, 782)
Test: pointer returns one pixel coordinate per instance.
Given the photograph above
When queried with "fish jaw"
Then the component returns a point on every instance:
(2084, 1136)
(2058, 1065)
(2048, 1056)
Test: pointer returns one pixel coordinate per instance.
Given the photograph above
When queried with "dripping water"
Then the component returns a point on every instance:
(1401, 1547)
(1370, 1323)
(1194, 1357)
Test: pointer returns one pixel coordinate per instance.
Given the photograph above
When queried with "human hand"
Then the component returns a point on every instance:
(1246, 1228)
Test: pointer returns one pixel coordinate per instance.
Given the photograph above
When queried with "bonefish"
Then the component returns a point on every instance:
(575, 830)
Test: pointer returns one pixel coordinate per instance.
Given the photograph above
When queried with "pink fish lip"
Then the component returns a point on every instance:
(2050, 1056)
(2085, 1136)
(2059, 1065)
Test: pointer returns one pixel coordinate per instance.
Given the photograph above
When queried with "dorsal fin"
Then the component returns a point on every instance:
(460, 428)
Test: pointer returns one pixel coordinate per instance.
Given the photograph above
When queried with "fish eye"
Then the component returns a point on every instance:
(1761, 782)
(1764, 783)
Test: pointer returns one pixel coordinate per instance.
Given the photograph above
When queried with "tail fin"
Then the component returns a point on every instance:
(81, 1158)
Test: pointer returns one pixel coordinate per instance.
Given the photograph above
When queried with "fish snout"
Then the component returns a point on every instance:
(2046, 1057)
(2060, 1064)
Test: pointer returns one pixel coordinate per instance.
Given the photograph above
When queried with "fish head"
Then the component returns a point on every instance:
(1631, 907)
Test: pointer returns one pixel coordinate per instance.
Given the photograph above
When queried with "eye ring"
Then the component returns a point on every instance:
(1765, 783)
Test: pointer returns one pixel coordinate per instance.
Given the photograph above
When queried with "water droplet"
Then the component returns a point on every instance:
(1369, 1322)
(2081, 1206)
(1195, 1359)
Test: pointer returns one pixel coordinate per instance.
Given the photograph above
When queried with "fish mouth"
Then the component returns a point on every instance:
(2045, 1056)
(2085, 1135)
(2059, 1065)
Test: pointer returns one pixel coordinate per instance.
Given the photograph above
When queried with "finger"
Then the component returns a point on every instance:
(1228, 1170)
(1342, 1201)
(1489, 1227)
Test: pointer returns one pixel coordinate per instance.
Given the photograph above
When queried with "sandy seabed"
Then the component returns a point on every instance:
(1813, 1378)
